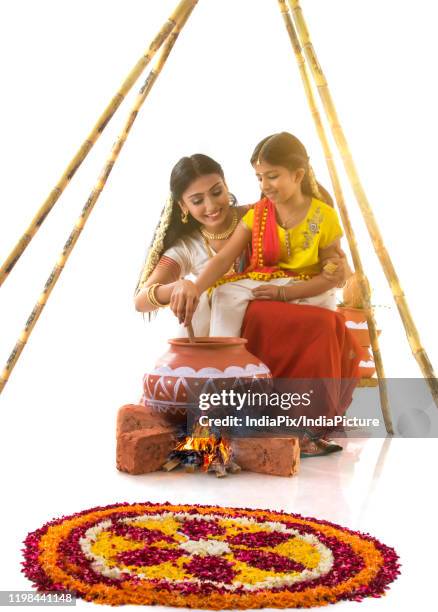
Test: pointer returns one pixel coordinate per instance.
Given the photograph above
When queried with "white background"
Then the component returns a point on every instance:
(231, 80)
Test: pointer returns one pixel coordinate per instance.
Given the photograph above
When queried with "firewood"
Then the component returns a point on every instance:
(233, 467)
(171, 464)
(220, 470)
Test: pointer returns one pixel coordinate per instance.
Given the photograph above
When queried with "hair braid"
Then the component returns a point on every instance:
(157, 246)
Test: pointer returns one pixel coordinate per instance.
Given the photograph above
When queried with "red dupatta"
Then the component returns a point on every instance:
(265, 243)
(265, 249)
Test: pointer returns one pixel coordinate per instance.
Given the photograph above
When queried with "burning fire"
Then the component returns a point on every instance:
(209, 447)
(204, 450)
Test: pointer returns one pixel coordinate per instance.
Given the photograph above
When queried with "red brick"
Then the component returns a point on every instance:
(144, 450)
(276, 456)
(132, 417)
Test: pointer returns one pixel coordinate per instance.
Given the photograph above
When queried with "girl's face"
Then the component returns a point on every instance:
(207, 200)
(278, 183)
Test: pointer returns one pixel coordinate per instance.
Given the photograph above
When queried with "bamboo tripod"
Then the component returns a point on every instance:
(178, 21)
(376, 237)
(308, 65)
(177, 17)
(339, 197)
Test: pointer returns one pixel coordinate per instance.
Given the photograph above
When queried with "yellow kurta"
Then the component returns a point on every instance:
(318, 230)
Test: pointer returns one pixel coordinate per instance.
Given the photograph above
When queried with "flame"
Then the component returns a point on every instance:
(206, 443)
(225, 450)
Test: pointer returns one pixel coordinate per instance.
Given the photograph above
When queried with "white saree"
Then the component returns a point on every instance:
(222, 313)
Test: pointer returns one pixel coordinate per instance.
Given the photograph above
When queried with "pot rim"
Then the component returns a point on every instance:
(208, 342)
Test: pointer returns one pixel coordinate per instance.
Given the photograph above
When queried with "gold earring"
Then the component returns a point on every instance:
(185, 216)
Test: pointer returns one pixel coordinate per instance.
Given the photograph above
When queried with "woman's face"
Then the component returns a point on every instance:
(207, 200)
(278, 183)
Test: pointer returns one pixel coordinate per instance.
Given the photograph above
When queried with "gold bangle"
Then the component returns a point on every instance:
(282, 293)
(152, 297)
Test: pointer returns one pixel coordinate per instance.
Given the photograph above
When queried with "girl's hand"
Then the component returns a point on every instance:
(342, 271)
(184, 301)
(267, 292)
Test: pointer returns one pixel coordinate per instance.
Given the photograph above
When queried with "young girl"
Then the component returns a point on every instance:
(292, 232)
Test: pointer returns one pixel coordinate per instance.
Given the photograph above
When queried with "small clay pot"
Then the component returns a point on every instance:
(356, 315)
(366, 364)
(356, 321)
(208, 365)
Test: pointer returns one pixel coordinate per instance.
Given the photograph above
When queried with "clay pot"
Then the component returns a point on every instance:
(354, 315)
(209, 365)
(362, 336)
(356, 321)
(366, 364)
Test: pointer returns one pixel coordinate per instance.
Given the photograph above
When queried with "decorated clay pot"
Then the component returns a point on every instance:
(209, 365)
(356, 321)
(353, 315)
(366, 364)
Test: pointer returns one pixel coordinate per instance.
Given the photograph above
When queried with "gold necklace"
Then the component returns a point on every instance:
(287, 230)
(287, 235)
(224, 235)
(210, 254)
(284, 224)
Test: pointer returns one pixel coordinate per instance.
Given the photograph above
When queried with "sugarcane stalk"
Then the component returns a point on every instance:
(91, 201)
(350, 167)
(178, 14)
(343, 211)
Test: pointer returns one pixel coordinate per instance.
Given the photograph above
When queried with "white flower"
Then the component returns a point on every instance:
(211, 547)
(205, 547)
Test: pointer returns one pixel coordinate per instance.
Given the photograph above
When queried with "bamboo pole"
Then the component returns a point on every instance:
(92, 199)
(178, 13)
(343, 211)
(385, 260)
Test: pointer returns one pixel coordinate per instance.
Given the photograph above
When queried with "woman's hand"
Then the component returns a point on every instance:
(184, 301)
(267, 292)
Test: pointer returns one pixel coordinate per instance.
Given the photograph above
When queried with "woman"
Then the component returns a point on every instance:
(196, 223)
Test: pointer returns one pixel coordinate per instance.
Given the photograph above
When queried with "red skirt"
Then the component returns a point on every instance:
(305, 342)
